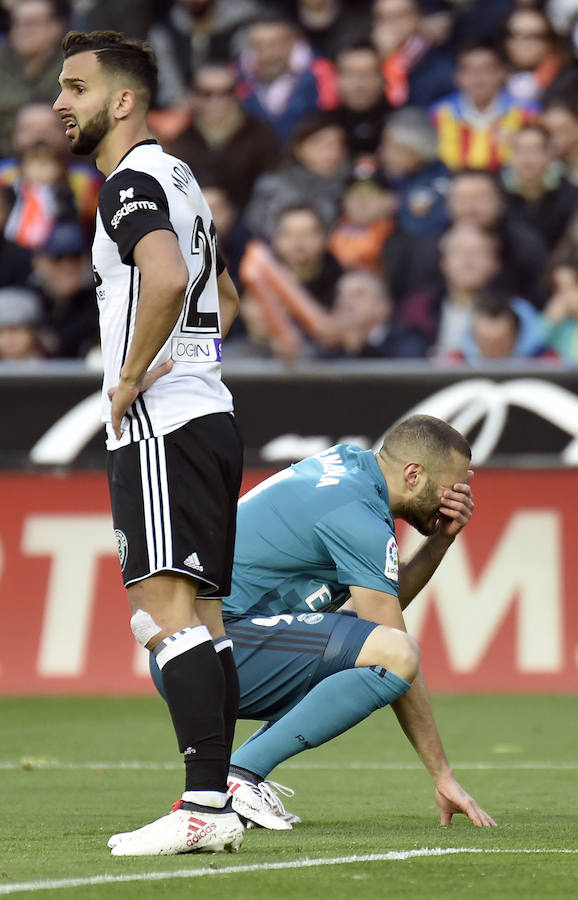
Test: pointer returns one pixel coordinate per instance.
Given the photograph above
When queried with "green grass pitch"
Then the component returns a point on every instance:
(64, 792)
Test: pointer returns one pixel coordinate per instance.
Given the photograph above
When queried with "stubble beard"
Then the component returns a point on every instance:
(422, 512)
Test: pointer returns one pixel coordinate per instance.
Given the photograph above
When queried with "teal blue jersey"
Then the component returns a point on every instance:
(309, 532)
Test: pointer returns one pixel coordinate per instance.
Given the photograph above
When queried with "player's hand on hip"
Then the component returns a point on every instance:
(456, 508)
(126, 392)
(451, 799)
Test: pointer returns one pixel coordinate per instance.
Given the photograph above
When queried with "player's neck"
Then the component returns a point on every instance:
(387, 469)
(117, 144)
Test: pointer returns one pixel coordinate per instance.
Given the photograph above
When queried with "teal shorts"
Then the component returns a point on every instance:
(280, 658)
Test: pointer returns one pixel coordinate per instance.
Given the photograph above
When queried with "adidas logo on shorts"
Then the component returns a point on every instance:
(193, 562)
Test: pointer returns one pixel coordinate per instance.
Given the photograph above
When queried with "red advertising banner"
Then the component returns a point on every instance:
(498, 615)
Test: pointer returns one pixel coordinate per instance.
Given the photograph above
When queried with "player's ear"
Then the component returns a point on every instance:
(125, 102)
(412, 475)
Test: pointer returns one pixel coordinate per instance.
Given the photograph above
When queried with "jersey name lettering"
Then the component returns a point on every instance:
(182, 178)
(332, 466)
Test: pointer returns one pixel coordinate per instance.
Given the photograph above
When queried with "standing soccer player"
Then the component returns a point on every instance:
(165, 302)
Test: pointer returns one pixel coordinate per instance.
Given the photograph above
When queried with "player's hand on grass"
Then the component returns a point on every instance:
(451, 799)
(456, 508)
(126, 392)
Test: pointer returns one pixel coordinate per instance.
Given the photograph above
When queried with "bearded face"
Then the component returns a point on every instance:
(84, 140)
(422, 510)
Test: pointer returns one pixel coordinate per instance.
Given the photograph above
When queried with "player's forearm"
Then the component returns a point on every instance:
(157, 314)
(415, 573)
(228, 302)
(415, 715)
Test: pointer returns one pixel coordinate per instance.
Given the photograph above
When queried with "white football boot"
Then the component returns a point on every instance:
(182, 831)
(260, 803)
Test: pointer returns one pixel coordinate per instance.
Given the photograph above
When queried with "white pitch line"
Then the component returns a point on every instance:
(34, 763)
(393, 855)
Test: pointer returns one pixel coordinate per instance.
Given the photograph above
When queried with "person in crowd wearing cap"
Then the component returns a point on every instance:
(409, 160)
(317, 171)
(367, 221)
(63, 275)
(20, 316)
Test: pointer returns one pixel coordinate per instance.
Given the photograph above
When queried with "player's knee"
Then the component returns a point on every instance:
(145, 629)
(391, 649)
(405, 656)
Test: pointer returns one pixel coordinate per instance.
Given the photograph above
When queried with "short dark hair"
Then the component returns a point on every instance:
(311, 124)
(299, 207)
(475, 45)
(117, 54)
(537, 128)
(357, 47)
(427, 437)
(496, 305)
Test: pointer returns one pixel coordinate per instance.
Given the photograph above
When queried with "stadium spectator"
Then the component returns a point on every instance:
(367, 221)
(30, 60)
(534, 54)
(14, 260)
(363, 316)
(330, 25)
(280, 79)
(133, 17)
(316, 172)
(560, 118)
(20, 317)
(535, 187)
(43, 197)
(560, 315)
(416, 72)
(502, 329)
(299, 241)
(231, 231)
(475, 124)
(225, 145)
(474, 198)
(63, 275)
(408, 154)
(469, 263)
(190, 33)
(363, 107)
(475, 20)
(37, 123)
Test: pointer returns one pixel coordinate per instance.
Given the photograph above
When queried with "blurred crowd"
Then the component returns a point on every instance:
(389, 179)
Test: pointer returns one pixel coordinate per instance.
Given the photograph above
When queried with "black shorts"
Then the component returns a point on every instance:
(174, 503)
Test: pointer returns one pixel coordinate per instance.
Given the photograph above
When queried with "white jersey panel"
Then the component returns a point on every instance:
(151, 190)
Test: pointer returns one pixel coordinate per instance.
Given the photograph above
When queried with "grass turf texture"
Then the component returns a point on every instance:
(56, 820)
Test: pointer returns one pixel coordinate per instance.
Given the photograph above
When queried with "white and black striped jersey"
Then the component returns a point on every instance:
(149, 191)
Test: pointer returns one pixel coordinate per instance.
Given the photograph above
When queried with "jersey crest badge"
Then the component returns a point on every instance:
(122, 547)
(310, 618)
(391, 560)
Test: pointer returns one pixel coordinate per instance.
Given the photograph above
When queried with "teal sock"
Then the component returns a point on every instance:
(330, 708)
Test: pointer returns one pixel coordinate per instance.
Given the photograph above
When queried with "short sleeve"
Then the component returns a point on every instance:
(363, 547)
(132, 204)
